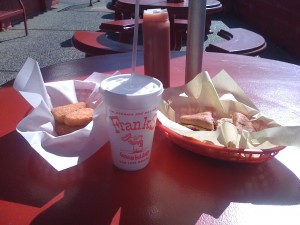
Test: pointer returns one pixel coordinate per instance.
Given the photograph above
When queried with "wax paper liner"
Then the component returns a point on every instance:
(222, 96)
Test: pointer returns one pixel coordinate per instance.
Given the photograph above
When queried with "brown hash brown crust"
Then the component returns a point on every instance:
(62, 129)
(79, 117)
(60, 112)
(71, 117)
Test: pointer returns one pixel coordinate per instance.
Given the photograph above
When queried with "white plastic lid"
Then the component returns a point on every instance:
(131, 91)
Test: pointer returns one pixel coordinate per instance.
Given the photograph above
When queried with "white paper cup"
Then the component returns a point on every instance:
(131, 108)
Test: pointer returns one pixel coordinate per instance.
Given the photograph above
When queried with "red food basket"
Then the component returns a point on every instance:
(219, 152)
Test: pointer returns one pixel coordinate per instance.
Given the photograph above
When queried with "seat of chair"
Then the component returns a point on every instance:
(4, 14)
(124, 27)
(120, 25)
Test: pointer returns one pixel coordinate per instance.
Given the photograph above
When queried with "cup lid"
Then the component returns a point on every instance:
(131, 91)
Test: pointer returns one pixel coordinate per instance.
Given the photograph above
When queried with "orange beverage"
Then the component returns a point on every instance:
(156, 41)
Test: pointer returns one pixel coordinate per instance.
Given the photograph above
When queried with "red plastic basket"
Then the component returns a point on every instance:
(219, 152)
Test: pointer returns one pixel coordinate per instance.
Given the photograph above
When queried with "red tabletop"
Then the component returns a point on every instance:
(178, 186)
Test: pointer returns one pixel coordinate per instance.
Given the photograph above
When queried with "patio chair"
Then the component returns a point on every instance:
(10, 9)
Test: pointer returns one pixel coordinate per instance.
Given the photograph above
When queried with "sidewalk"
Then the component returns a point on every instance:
(49, 39)
(49, 36)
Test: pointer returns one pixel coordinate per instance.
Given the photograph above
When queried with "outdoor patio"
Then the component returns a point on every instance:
(50, 32)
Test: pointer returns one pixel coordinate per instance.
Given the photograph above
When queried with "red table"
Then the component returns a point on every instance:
(177, 187)
(179, 9)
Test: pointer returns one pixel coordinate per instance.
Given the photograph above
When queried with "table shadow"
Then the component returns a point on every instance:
(177, 186)
(219, 183)
(30, 181)
(16, 181)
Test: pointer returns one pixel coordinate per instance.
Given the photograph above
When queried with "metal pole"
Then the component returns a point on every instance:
(195, 38)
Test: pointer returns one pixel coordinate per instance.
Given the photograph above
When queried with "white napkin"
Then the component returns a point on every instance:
(69, 150)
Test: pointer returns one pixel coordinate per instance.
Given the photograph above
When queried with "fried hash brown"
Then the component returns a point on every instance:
(71, 117)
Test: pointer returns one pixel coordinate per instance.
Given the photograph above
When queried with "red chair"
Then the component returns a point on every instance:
(9, 9)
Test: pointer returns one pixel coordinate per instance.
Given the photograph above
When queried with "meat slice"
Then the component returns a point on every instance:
(242, 122)
(203, 119)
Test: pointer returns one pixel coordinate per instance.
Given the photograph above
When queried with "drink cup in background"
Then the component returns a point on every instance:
(131, 106)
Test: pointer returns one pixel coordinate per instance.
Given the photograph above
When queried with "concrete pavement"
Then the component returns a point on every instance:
(49, 39)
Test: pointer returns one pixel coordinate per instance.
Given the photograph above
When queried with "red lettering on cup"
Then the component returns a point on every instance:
(120, 126)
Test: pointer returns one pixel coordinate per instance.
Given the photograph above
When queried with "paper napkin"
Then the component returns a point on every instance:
(37, 127)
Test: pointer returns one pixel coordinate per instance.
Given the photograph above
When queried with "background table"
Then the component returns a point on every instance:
(177, 187)
(125, 9)
(179, 9)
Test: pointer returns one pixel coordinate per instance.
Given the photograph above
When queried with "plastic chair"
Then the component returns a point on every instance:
(9, 9)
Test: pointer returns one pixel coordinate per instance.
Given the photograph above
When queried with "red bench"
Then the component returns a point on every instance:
(123, 27)
(97, 43)
(239, 41)
(12, 11)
